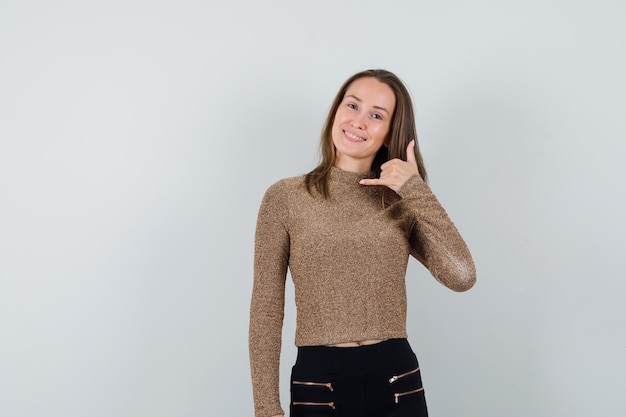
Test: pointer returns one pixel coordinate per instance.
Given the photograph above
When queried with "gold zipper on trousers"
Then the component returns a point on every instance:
(314, 384)
(395, 378)
(330, 404)
(402, 394)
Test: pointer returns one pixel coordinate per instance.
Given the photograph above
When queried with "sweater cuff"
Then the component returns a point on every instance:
(413, 187)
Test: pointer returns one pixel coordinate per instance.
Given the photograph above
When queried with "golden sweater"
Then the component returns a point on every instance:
(347, 256)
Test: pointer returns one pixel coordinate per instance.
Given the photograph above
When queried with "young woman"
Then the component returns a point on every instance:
(345, 231)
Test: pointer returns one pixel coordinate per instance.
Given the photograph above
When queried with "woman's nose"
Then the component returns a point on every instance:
(359, 121)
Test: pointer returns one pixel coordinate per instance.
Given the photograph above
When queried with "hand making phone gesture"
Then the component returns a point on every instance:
(396, 172)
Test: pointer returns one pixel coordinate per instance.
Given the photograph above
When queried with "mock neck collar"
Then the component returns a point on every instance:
(347, 177)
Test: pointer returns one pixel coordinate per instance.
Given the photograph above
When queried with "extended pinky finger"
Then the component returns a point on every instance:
(370, 181)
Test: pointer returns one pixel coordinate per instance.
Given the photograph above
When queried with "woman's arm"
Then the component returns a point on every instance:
(434, 239)
(271, 257)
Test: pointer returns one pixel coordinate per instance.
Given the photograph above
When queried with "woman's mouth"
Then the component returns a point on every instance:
(352, 137)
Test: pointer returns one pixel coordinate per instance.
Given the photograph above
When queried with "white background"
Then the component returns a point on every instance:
(137, 138)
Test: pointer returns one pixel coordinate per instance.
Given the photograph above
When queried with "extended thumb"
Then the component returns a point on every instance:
(410, 152)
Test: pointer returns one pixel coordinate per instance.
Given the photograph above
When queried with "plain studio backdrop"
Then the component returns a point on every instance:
(137, 139)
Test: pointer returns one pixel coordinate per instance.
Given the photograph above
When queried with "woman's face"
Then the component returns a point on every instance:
(362, 123)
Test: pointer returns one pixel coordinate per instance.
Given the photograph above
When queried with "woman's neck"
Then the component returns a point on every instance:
(354, 165)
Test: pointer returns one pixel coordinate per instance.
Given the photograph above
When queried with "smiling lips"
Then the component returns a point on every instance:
(353, 138)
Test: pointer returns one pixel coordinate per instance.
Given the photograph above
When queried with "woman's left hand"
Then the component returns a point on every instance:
(396, 172)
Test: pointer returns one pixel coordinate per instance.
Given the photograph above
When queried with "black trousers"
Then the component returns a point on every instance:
(380, 380)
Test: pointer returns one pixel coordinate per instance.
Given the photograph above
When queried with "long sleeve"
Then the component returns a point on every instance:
(271, 257)
(434, 239)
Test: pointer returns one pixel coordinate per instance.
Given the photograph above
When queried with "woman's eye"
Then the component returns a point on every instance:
(351, 106)
(377, 116)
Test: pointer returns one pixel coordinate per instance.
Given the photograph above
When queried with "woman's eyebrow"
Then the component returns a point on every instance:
(359, 100)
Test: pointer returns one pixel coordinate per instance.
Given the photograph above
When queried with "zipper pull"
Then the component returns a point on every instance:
(397, 396)
(330, 386)
(393, 379)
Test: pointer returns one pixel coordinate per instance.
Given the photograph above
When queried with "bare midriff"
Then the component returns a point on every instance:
(359, 343)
